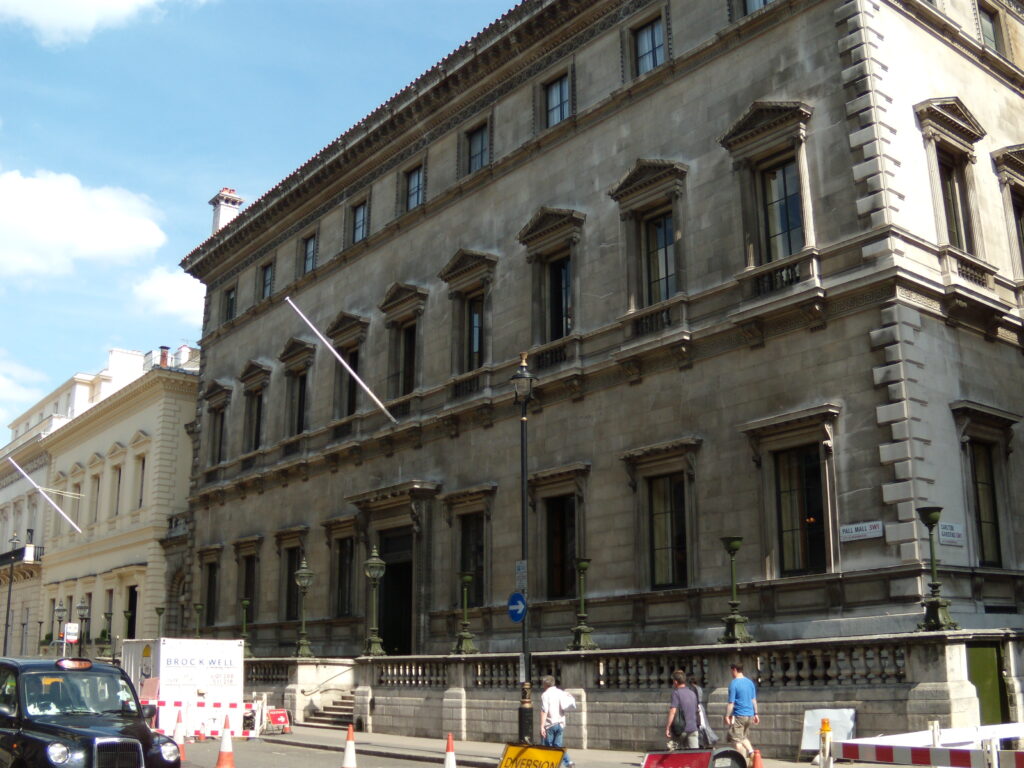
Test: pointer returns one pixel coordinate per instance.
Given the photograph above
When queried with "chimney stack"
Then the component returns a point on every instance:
(226, 205)
(163, 356)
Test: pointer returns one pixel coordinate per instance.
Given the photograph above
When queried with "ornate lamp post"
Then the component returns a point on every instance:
(109, 617)
(735, 625)
(581, 633)
(936, 608)
(198, 608)
(304, 580)
(59, 613)
(159, 621)
(246, 650)
(464, 639)
(522, 382)
(15, 542)
(374, 570)
(82, 609)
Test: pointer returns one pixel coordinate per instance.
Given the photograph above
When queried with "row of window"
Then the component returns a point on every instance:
(124, 492)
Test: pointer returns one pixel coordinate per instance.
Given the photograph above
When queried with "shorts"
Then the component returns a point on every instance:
(740, 728)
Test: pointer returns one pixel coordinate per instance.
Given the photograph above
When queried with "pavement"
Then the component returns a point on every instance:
(476, 754)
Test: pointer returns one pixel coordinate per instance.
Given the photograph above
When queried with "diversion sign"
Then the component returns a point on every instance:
(523, 756)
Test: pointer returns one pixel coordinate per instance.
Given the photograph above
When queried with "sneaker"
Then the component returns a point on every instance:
(672, 745)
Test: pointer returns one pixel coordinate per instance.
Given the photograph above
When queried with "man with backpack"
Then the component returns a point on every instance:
(681, 726)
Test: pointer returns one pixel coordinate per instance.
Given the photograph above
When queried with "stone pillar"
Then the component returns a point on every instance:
(453, 714)
(362, 704)
(575, 674)
(939, 686)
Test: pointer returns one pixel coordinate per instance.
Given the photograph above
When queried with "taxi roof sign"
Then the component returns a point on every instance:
(528, 756)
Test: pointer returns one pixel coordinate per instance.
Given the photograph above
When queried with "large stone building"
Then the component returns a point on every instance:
(766, 260)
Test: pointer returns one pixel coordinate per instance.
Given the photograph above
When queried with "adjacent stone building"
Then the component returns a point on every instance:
(766, 261)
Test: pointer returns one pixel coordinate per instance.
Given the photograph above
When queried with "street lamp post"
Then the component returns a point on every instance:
(581, 633)
(246, 650)
(109, 618)
(82, 609)
(304, 579)
(198, 608)
(936, 608)
(15, 542)
(464, 639)
(522, 382)
(59, 613)
(735, 625)
(159, 621)
(374, 570)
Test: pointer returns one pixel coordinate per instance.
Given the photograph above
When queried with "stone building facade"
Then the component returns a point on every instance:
(766, 261)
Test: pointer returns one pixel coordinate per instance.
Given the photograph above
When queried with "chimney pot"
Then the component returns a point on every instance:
(163, 356)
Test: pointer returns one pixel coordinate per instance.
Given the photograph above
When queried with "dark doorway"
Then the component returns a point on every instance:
(396, 591)
(133, 610)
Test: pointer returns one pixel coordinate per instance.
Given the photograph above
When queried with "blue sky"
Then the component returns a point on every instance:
(120, 119)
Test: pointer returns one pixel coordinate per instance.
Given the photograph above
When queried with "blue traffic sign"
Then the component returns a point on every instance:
(517, 607)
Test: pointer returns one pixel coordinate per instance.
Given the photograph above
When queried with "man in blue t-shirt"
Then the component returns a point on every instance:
(742, 710)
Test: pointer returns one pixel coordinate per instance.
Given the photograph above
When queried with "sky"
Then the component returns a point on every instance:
(120, 119)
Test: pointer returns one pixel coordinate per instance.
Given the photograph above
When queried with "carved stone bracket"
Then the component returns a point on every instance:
(815, 313)
(753, 333)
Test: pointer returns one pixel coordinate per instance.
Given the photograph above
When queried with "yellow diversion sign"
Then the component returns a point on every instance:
(521, 756)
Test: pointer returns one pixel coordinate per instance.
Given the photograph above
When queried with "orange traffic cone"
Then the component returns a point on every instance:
(449, 753)
(179, 736)
(226, 756)
(758, 763)
(349, 760)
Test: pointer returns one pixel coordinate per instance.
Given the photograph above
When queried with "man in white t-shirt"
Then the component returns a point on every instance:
(553, 703)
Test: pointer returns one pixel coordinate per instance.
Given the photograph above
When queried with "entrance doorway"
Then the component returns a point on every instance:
(396, 591)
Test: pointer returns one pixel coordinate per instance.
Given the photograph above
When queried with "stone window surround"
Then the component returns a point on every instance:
(792, 429)
(270, 264)
(540, 95)
(468, 273)
(347, 333)
(1009, 165)
(463, 155)
(627, 37)
(311, 234)
(402, 184)
(466, 501)
(350, 220)
(649, 188)
(655, 460)
(993, 11)
(550, 234)
(335, 529)
(570, 479)
(947, 126)
(984, 423)
(229, 303)
(248, 546)
(403, 305)
(766, 134)
(297, 357)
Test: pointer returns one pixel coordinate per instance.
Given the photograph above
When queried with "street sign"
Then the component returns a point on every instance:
(71, 632)
(520, 756)
(516, 607)
(521, 576)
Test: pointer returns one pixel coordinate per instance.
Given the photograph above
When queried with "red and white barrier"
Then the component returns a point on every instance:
(884, 753)
(200, 712)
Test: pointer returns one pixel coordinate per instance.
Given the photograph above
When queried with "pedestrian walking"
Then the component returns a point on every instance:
(741, 713)
(681, 725)
(706, 736)
(553, 703)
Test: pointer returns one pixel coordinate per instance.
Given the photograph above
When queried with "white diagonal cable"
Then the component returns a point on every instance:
(45, 494)
(341, 360)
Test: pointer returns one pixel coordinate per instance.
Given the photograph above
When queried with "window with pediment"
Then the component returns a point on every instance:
(661, 476)
(209, 563)
(559, 496)
(255, 379)
(217, 397)
(468, 512)
(402, 307)
(950, 132)
(297, 358)
(341, 537)
(347, 333)
(247, 558)
(1009, 165)
(291, 544)
(794, 452)
(469, 275)
(767, 145)
(650, 199)
(552, 238)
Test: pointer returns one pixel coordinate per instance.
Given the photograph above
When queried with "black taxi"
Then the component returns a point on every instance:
(75, 713)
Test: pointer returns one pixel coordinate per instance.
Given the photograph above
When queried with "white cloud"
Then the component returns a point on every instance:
(50, 220)
(18, 389)
(173, 293)
(57, 22)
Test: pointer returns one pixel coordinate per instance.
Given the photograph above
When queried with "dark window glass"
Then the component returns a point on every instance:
(414, 188)
(986, 511)
(407, 360)
(800, 507)
(308, 254)
(471, 554)
(474, 332)
(989, 28)
(556, 99)
(229, 304)
(299, 394)
(266, 281)
(559, 298)
(754, 5)
(248, 584)
(954, 203)
(360, 222)
(666, 496)
(1018, 222)
(561, 545)
(212, 591)
(292, 560)
(659, 261)
(478, 150)
(217, 436)
(254, 419)
(346, 389)
(783, 212)
(344, 550)
(650, 46)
